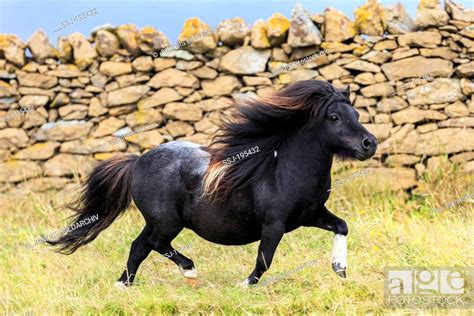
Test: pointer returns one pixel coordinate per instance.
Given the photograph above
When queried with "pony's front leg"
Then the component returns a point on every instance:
(271, 236)
(324, 219)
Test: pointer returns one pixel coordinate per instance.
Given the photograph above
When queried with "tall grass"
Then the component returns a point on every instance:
(385, 229)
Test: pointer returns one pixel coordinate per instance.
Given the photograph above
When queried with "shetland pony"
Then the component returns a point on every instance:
(228, 193)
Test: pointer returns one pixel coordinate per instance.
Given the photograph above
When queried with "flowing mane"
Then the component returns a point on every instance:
(262, 122)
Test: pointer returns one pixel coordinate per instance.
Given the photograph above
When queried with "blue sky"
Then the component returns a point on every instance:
(23, 17)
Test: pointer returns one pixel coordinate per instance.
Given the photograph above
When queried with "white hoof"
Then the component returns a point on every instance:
(190, 274)
(244, 284)
(120, 285)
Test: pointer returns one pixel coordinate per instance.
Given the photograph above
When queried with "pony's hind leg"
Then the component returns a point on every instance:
(162, 244)
(139, 250)
(165, 219)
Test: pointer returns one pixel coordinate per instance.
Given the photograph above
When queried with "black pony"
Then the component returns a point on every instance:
(266, 173)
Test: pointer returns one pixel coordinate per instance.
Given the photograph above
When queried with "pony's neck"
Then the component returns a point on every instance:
(306, 159)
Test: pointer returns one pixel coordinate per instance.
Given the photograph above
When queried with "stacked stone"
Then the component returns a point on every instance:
(411, 82)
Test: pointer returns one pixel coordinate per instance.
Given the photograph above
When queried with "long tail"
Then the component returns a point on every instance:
(106, 194)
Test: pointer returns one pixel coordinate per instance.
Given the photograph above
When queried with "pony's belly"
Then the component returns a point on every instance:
(225, 230)
(228, 239)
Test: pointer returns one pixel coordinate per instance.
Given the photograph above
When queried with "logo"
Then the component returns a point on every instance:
(448, 287)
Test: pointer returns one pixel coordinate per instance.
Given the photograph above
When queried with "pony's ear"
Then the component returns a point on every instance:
(347, 92)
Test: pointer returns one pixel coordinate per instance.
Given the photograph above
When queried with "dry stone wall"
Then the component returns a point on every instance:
(124, 89)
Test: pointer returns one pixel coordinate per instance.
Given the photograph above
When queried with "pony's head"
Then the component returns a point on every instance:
(342, 132)
(315, 107)
(328, 113)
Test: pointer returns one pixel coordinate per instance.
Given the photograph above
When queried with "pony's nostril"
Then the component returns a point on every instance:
(366, 143)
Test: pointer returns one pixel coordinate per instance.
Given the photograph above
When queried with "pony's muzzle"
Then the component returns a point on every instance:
(368, 146)
(367, 143)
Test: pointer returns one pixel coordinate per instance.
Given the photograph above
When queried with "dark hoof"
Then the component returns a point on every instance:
(340, 271)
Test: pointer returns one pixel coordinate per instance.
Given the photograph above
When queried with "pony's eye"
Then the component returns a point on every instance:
(333, 117)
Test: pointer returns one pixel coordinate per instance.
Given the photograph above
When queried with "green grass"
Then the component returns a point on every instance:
(385, 229)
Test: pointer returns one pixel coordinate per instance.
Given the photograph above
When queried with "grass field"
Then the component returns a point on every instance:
(385, 229)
